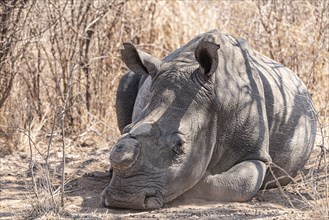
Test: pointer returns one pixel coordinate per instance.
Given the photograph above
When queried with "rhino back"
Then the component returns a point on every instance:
(290, 114)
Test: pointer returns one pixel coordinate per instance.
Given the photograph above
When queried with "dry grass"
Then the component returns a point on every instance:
(60, 61)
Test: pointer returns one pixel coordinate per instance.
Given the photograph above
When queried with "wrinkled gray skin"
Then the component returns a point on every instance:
(206, 122)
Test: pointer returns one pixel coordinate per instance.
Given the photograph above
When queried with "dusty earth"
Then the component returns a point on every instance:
(86, 177)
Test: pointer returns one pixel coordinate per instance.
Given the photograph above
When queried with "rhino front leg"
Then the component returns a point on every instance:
(238, 184)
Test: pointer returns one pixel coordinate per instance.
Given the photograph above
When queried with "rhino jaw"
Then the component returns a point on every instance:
(146, 199)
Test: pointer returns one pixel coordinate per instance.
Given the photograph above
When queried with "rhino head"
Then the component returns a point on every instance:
(165, 151)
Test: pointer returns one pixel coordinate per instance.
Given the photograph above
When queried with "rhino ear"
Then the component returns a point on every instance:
(139, 61)
(206, 55)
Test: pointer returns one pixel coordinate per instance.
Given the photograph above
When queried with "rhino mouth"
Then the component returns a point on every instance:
(147, 199)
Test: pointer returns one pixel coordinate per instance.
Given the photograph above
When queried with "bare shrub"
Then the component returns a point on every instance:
(11, 49)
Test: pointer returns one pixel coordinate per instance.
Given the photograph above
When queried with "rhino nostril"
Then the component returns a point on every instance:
(119, 148)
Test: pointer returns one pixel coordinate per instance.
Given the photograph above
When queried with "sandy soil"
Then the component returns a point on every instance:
(82, 200)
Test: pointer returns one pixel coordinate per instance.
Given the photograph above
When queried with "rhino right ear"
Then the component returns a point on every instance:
(139, 61)
(206, 54)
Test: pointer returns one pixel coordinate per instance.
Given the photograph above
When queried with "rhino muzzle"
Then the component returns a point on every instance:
(124, 154)
(135, 183)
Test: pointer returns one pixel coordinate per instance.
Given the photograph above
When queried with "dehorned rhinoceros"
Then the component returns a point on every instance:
(207, 122)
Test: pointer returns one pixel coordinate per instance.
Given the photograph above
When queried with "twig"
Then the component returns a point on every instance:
(48, 153)
(278, 183)
(63, 158)
(63, 148)
(326, 180)
(34, 185)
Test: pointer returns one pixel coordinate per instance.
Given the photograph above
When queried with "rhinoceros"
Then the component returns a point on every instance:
(209, 121)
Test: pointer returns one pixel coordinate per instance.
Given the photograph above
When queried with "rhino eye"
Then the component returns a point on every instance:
(178, 147)
(177, 143)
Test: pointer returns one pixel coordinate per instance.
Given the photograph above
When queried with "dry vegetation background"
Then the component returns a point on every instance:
(60, 64)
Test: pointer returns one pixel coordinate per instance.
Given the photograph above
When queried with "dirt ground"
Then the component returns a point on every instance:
(82, 198)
